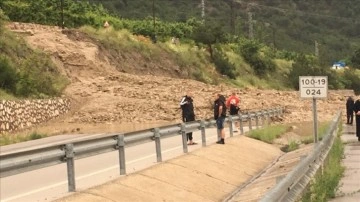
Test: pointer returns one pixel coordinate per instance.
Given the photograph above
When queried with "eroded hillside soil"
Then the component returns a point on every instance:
(107, 100)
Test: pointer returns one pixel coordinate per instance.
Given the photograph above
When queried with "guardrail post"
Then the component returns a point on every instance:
(184, 137)
(203, 137)
(257, 120)
(241, 124)
(249, 118)
(268, 117)
(121, 148)
(278, 112)
(69, 154)
(157, 144)
(262, 118)
(231, 126)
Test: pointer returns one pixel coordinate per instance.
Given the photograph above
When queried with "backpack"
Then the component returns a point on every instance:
(223, 100)
(234, 109)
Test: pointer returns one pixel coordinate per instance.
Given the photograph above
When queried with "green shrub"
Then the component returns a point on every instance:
(261, 64)
(352, 80)
(302, 66)
(293, 145)
(35, 136)
(287, 55)
(80, 13)
(223, 65)
(25, 72)
(38, 77)
(355, 59)
(6, 139)
(8, 75)
(3, 18)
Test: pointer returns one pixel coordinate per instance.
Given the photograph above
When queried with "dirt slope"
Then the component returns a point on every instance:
(107, 100)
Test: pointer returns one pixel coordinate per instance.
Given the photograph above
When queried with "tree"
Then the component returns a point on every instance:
(208, 35)
(355, 59)
(3, 18)
(8, 76)
(261, 63)
(302, 66)
(352, 80)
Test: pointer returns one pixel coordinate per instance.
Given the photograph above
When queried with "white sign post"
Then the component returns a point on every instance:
(313, 87)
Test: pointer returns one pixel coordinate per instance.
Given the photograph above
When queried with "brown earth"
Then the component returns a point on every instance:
(107, 100)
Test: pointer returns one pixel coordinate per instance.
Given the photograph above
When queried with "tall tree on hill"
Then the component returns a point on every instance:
(2, 19)
(208, 35)
(355, 59)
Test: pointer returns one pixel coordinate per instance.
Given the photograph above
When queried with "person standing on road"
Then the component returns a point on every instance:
(188, 114)
(357, 117)
(349, 110)
(233, 104)
(219, 116)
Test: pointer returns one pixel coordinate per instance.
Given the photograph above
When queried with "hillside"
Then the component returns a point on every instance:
(107, 100)
(291, 25)
(26, 72)
(119, 77)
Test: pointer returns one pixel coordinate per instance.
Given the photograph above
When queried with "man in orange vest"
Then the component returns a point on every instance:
(232, 103)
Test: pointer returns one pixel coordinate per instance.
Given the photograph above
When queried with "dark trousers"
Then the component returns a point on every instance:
(350, 117)
(357, 125)
(189, 136)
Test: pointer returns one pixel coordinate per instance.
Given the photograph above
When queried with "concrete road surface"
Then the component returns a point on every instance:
(50, 183)
(209, 174)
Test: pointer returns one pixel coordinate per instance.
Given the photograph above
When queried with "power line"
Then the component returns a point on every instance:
(294, 11)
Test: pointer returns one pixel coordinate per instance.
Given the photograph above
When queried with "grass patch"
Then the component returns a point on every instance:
(6, 139)
(324, 186)
(6, 96)
(194, 61)
(269, 133)
(292, 146)
(321, 132)
(123, 41)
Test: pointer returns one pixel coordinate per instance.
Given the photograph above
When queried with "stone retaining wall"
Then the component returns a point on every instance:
(20, 114)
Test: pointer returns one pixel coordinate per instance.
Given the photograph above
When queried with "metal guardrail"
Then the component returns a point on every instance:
(291, 187)
(15, 162)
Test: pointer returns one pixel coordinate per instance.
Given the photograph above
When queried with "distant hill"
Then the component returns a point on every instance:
(292, 25)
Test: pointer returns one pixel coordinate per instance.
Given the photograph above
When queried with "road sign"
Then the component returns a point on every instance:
(313, 86)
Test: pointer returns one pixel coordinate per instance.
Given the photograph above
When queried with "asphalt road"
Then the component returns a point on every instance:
(50, 183)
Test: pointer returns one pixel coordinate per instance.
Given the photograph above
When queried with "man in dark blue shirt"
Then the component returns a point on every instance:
(219, 115)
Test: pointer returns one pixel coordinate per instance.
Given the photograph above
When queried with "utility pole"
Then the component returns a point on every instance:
(251, 28)
(154, 22)
(232, 20)
(203, 10)
(316, 49)
(273, 36)
(62, 13)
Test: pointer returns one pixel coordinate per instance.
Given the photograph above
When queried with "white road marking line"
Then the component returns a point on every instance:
(86, 176)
